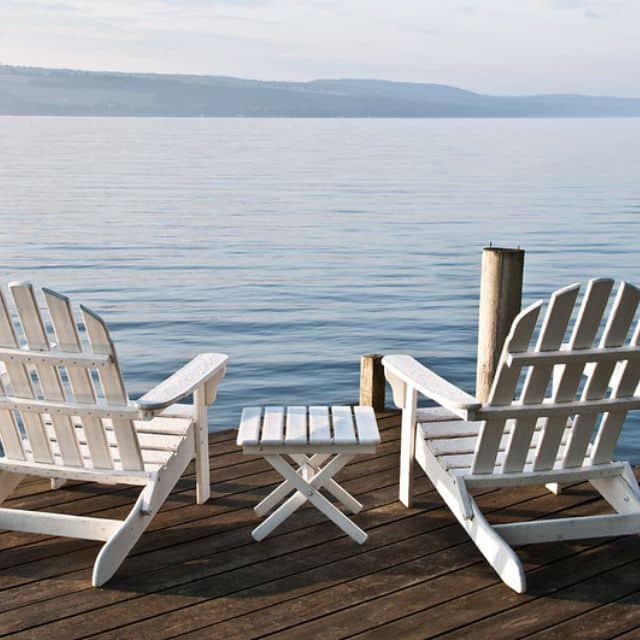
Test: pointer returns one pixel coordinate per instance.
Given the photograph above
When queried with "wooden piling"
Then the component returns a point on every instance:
(372, 381)
(500, 303)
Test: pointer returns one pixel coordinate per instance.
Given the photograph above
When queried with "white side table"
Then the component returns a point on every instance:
(320, 441)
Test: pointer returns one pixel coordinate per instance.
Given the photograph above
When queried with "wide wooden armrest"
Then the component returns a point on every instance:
(203, 368)
(408, 371)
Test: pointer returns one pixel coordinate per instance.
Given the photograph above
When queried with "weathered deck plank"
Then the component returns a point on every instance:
(198, 574)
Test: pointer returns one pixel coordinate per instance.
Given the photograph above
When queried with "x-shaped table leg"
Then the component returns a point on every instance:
(307, 467)
(307, 481)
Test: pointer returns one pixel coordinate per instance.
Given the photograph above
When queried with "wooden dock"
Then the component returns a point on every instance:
(197, 573)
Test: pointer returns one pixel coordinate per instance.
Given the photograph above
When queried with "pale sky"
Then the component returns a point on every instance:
(489, 46)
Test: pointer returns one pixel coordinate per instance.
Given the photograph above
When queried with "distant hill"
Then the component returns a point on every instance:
(33, 91)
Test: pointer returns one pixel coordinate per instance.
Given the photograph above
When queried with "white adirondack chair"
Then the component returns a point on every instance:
(65, 414)
(561, 425)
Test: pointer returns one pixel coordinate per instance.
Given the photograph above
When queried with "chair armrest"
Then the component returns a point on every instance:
(204, 368)
(403, 370)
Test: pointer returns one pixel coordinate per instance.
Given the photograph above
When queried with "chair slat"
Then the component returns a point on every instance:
(68, 340)
(319, 425)
(504, 387)
(584, 333)
(249, 430)
(551, 336)
(9, 433)
(113, 389)
(49, 376)
(296, 427)
(22, 387)
(615, 333)
(17, 373)
(343, 428)
(612, 422)
(366, 425)
(272, 425)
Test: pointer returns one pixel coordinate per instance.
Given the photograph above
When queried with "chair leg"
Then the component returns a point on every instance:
(493, 547)
(203, 473)
(8, 482)
(496, 551)
(58, 483)
(116, 549)
(407, 446)
(151, 498)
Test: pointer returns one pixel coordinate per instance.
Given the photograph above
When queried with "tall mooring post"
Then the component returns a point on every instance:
(500, 302)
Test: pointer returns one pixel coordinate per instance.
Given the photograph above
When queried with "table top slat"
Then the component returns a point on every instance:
(366, 425)
(319, 425)
(296, 425)
(343, 427)
(273, 425)
(249, 431)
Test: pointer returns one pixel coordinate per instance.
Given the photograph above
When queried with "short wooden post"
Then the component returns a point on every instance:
(372, 381)
(500, 302)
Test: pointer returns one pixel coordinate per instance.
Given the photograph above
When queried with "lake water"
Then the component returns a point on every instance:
(298, 245)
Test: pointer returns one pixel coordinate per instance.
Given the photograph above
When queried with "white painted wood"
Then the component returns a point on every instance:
(104, 429)
(447, 429)
(58, 524)
(178, 410)
(343, 427)
(29, 405)
(549, 408)
(615, 333)
(114, 476)
(503, 389)
(250, 424)
(305, 431)
(48, 375)
(568, 379)
(551, 336)
(198, 372)
(319, 425)
(541, 440)
(201, 438)
(495, 550)
(113, 388)
(530, 478)
(20, 385)
(55, 358)
(366, 425)
(434, 414)
(584, 527)
(273, 426)
(296, 426)
(554, 487)
(308, 490)
(308, 448)
(407, 445)
(430, 384)
(152, 497)
(625, 385)
(313, 464)
(68, 340)
(397, 386)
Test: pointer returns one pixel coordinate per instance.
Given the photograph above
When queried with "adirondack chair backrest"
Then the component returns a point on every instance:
(50, 386)
(551, 399)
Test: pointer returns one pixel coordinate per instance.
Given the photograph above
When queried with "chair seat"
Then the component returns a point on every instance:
(159, 440)
(453, 442)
